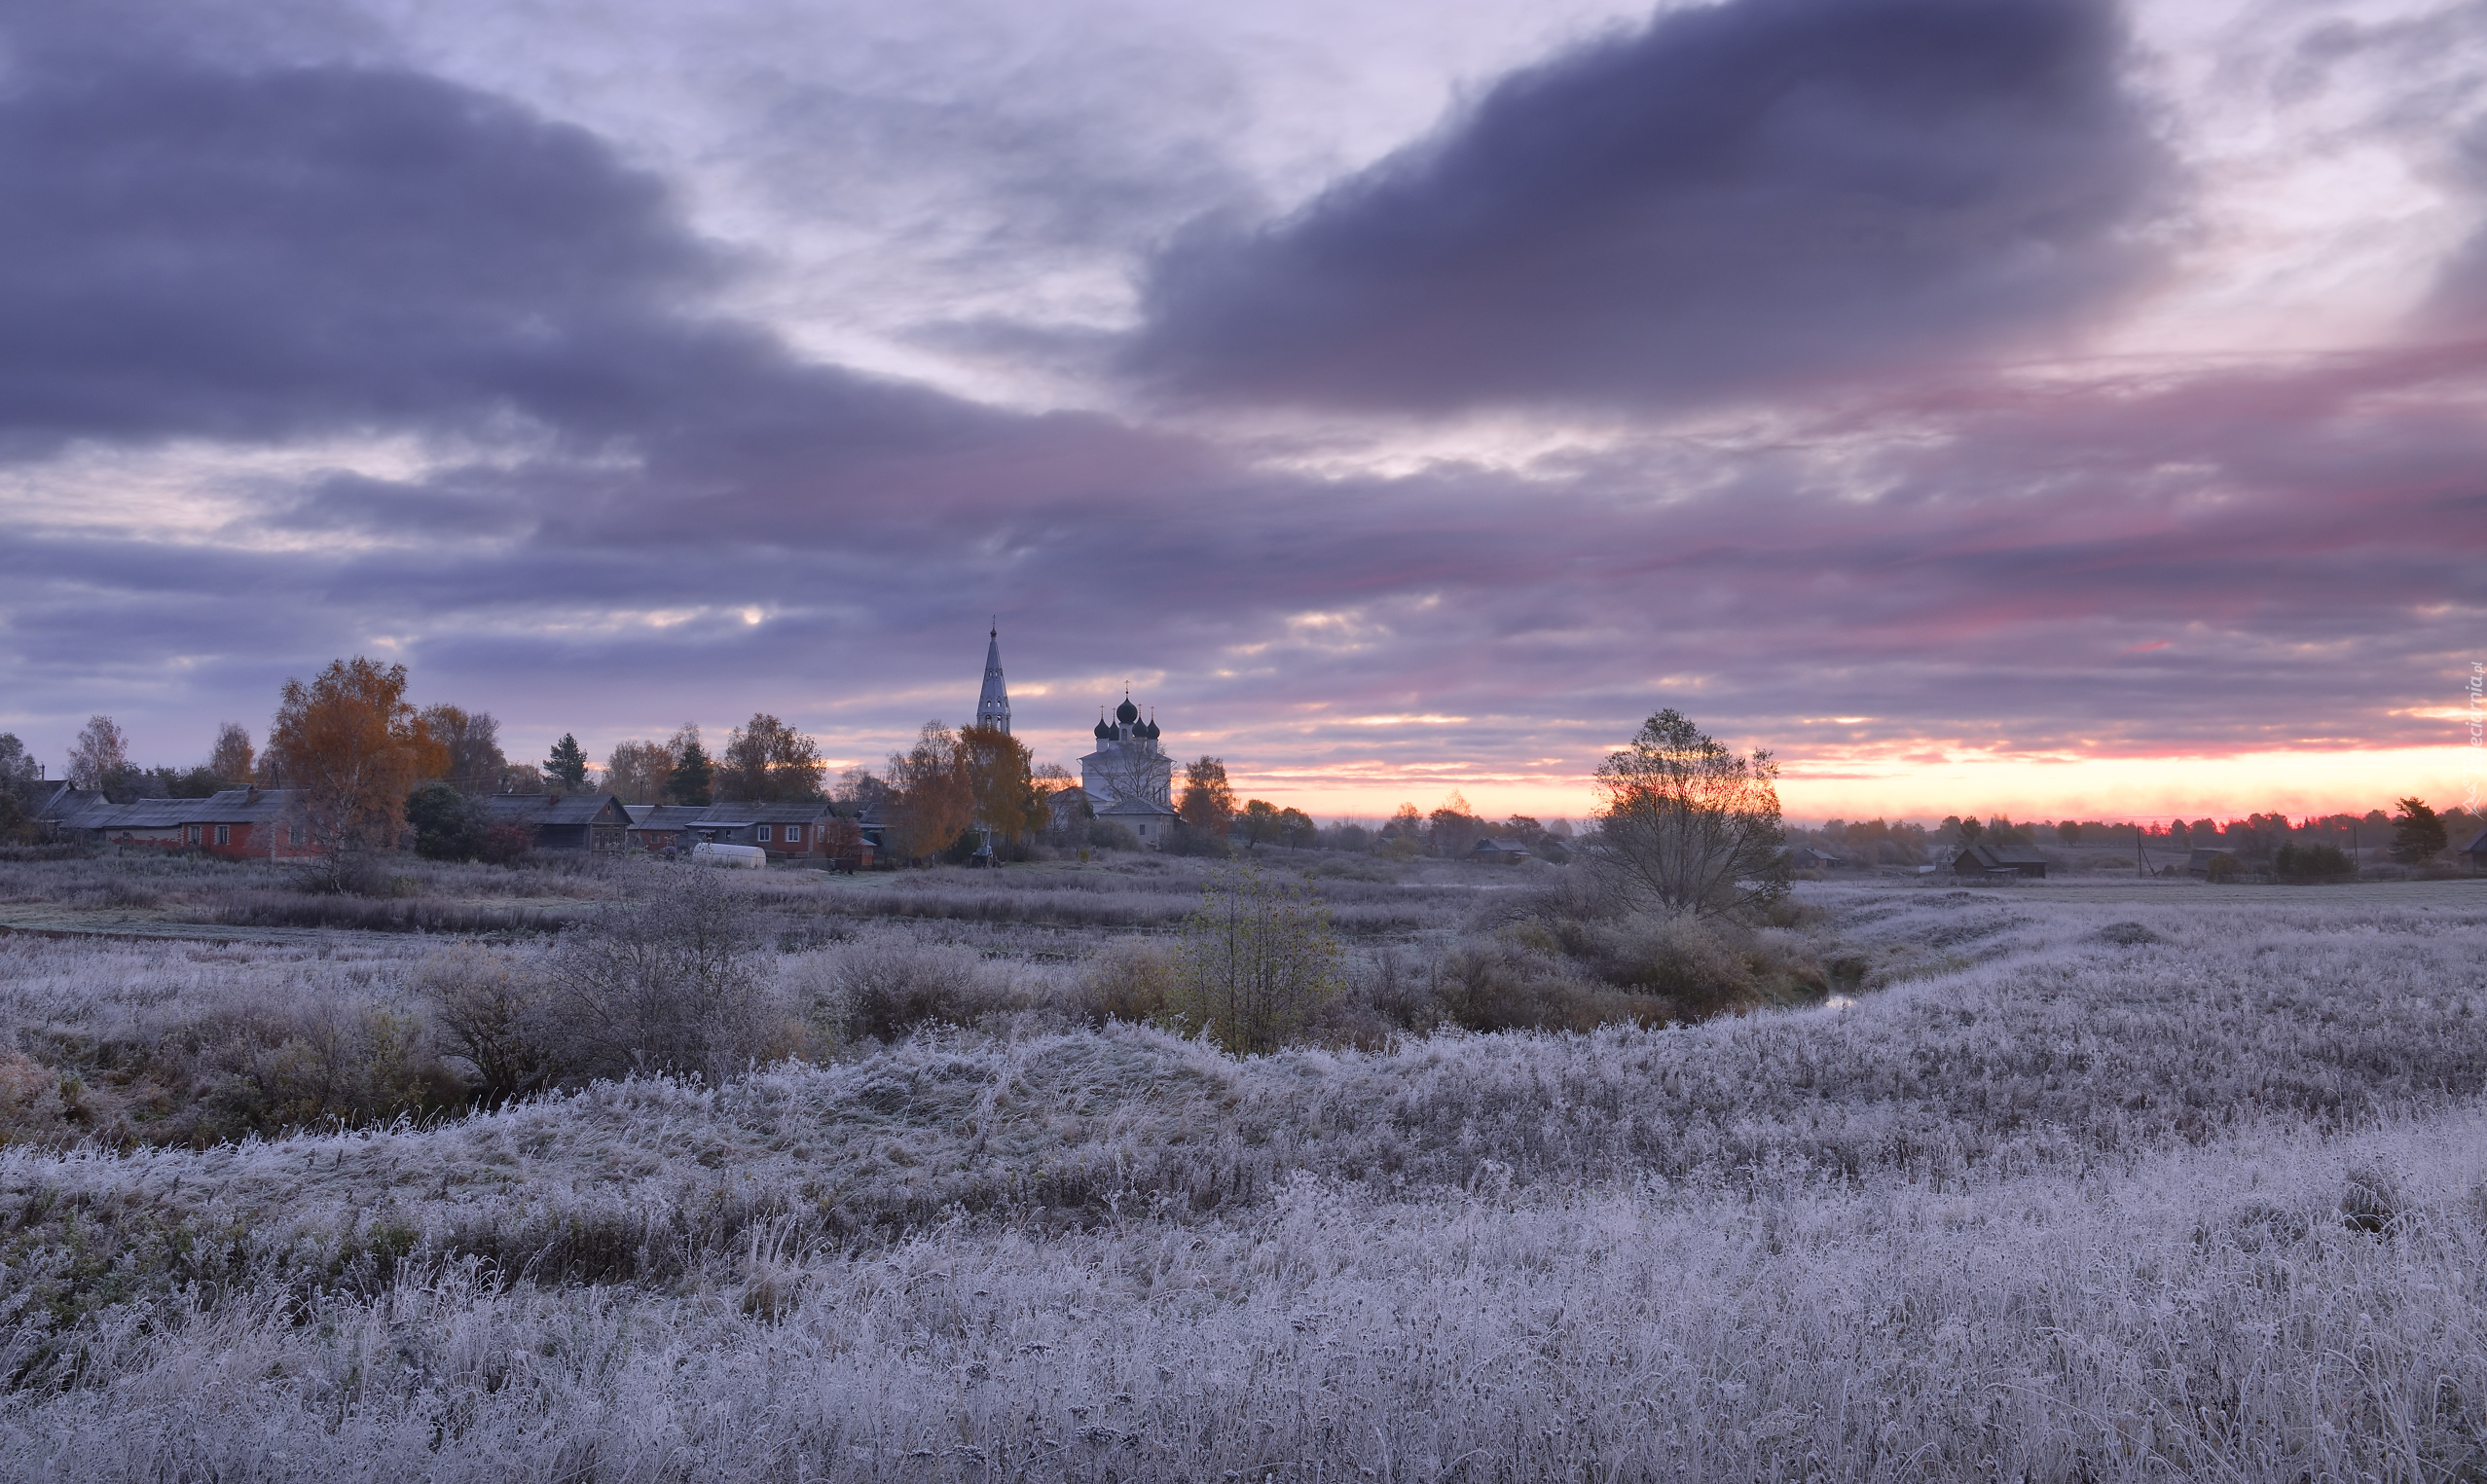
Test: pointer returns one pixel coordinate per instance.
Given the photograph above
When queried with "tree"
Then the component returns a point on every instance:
(232, 757)
(932, 802)
(2416, 835)
(2068, 831)
(1000, 785)
(1047, 781)
(446, 826)
(1297, 830)
(470, 755)
(1256, 962)
(1208, 803)
(352, 750)
(1688, 824)
(765, 760)
(861, 792)
(566, 766)
(100, 752)
(693, 778)
(1452, 828)
(17, 767)
(2310, 862)
(1259, 822)
(637, 770)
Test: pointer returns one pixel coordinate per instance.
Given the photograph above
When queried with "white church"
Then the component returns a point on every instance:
(1127, 780)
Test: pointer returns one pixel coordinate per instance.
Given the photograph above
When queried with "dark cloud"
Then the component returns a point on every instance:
(1737, 197)
(256, 253)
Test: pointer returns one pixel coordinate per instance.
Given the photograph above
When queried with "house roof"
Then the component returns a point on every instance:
(85, 809)
(1137, 807)
(1999, 857)
(664, 817)
(2477, 845)
(542, 809)
(1498, 847)
(800, 812)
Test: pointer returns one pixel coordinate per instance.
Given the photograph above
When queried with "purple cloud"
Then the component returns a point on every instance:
(1736, 197)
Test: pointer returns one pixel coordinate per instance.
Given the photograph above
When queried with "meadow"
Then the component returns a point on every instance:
(2087, 1181)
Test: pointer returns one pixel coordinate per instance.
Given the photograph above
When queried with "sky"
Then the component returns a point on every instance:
(2037, 407)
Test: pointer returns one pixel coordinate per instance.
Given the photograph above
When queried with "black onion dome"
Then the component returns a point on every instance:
(1103, 731)
(1127, 713)
(1149, 729)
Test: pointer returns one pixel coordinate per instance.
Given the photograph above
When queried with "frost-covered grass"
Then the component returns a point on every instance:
(2075, 1189)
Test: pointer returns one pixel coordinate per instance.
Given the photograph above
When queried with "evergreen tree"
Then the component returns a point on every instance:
(693, 780)
(2416, 835)
(566, 764)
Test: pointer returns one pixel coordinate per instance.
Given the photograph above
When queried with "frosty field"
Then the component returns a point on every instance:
(2097, 1182)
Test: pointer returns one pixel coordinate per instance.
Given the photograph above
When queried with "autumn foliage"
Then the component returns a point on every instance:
(352, 749)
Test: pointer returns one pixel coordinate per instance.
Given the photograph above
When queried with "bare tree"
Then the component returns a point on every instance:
(1689, 825)
(231, 759)
(470, 743)
(766, 760)
(101, 751)
(637, 770)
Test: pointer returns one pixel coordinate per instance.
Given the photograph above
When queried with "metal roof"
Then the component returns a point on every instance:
(542, 809)
(729, 815)
(84, 808)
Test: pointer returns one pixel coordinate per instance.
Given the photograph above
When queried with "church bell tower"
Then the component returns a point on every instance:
(993, 706)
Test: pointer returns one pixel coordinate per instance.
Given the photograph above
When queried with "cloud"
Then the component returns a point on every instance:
(265, 252)
(1735, 198)
(585, 472)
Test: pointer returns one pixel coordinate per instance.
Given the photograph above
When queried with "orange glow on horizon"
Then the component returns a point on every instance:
(1915, 785)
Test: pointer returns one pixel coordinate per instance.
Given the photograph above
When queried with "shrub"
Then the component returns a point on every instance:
(495, 1014)
(1257, 961)
(2294, 862)
(1106, 835)
(2222, 867)
(1130, 981)
(672, 982)
(890, 986)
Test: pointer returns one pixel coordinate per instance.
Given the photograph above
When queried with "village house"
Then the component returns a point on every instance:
(233, 823)
(656, 828)
(802, 830)
(1497, 852)
(594, 822)
(1996, 862)
(2476, 852)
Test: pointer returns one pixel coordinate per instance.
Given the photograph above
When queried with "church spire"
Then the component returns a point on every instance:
(993, 706)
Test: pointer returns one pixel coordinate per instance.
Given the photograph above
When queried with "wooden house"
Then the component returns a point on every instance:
(234, 824)
(595, 822)
(1995, 862)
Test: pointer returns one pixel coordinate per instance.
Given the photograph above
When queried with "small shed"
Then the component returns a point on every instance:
(1495, 852)
(594, 822)
(2198, 862)
(2476, 852)
(2000, 862)
(1807, 858)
